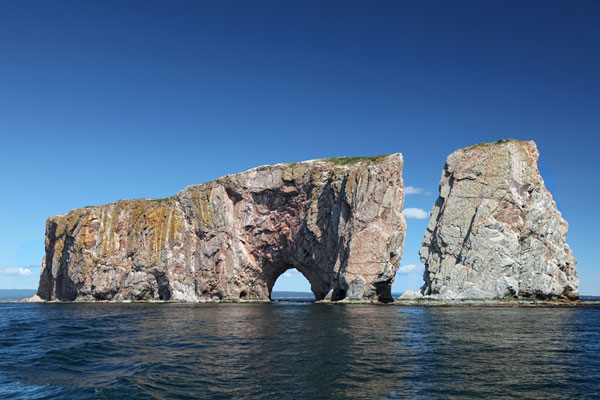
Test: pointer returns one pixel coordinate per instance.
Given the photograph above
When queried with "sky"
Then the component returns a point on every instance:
(109, 100)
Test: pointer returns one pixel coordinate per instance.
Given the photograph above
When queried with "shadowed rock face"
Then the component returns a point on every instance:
(495, 231)
(338, 221)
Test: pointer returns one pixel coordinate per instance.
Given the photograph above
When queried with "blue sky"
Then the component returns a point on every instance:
(105, 100)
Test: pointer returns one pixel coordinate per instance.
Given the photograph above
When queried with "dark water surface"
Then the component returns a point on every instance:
(302, 351)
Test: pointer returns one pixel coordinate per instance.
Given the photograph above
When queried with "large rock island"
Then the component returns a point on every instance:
(495, 231)
(338, 221)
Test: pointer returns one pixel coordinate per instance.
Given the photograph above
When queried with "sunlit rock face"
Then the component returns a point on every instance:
(338, 221)
(495, 231)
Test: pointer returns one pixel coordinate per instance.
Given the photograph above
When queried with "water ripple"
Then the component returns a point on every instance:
(296, 351)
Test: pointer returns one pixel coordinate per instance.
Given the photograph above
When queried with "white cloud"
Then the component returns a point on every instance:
(412, 190)
(15, 271)
(415, 213)
(288, 274)
(411, 269)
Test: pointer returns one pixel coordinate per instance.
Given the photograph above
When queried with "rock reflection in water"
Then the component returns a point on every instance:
(502, 353)
(314, 351)
(266, 351)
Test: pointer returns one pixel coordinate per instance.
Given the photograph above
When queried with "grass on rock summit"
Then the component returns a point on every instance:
(354, 160)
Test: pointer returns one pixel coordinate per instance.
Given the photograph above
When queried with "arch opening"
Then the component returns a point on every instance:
(292, 284)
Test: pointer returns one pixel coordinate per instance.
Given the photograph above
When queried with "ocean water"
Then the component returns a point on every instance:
(296, 351)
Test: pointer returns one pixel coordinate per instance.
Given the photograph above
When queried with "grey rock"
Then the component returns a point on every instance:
(495, 231)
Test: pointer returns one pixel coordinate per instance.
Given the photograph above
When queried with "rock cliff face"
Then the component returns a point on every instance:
(338, 221)
(495, 231)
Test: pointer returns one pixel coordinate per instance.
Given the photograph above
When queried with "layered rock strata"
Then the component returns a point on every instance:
(495, 231)
(338, 221)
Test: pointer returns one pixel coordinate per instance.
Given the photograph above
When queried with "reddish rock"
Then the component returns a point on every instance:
(338, 221)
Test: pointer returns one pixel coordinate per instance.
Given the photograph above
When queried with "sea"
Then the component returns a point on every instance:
(294, 349)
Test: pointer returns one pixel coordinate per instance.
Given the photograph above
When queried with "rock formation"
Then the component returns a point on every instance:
(495, 231)
(338, 221)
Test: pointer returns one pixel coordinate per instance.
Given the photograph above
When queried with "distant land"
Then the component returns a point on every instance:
(16, 294)
(292, 296)
(589, 298)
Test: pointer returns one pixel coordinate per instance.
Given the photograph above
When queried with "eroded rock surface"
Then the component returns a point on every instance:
(495, 231)
(338, 221)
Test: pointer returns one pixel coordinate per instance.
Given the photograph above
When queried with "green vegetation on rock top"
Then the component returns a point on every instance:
(333, 160)
(163, 199)
(354, 160)
(492, 143)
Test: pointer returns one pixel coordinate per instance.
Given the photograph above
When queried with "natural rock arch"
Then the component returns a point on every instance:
(338, 221)
(272, 275)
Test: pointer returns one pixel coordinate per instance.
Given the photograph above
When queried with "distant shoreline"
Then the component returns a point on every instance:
(399, 303)
(283, 297)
